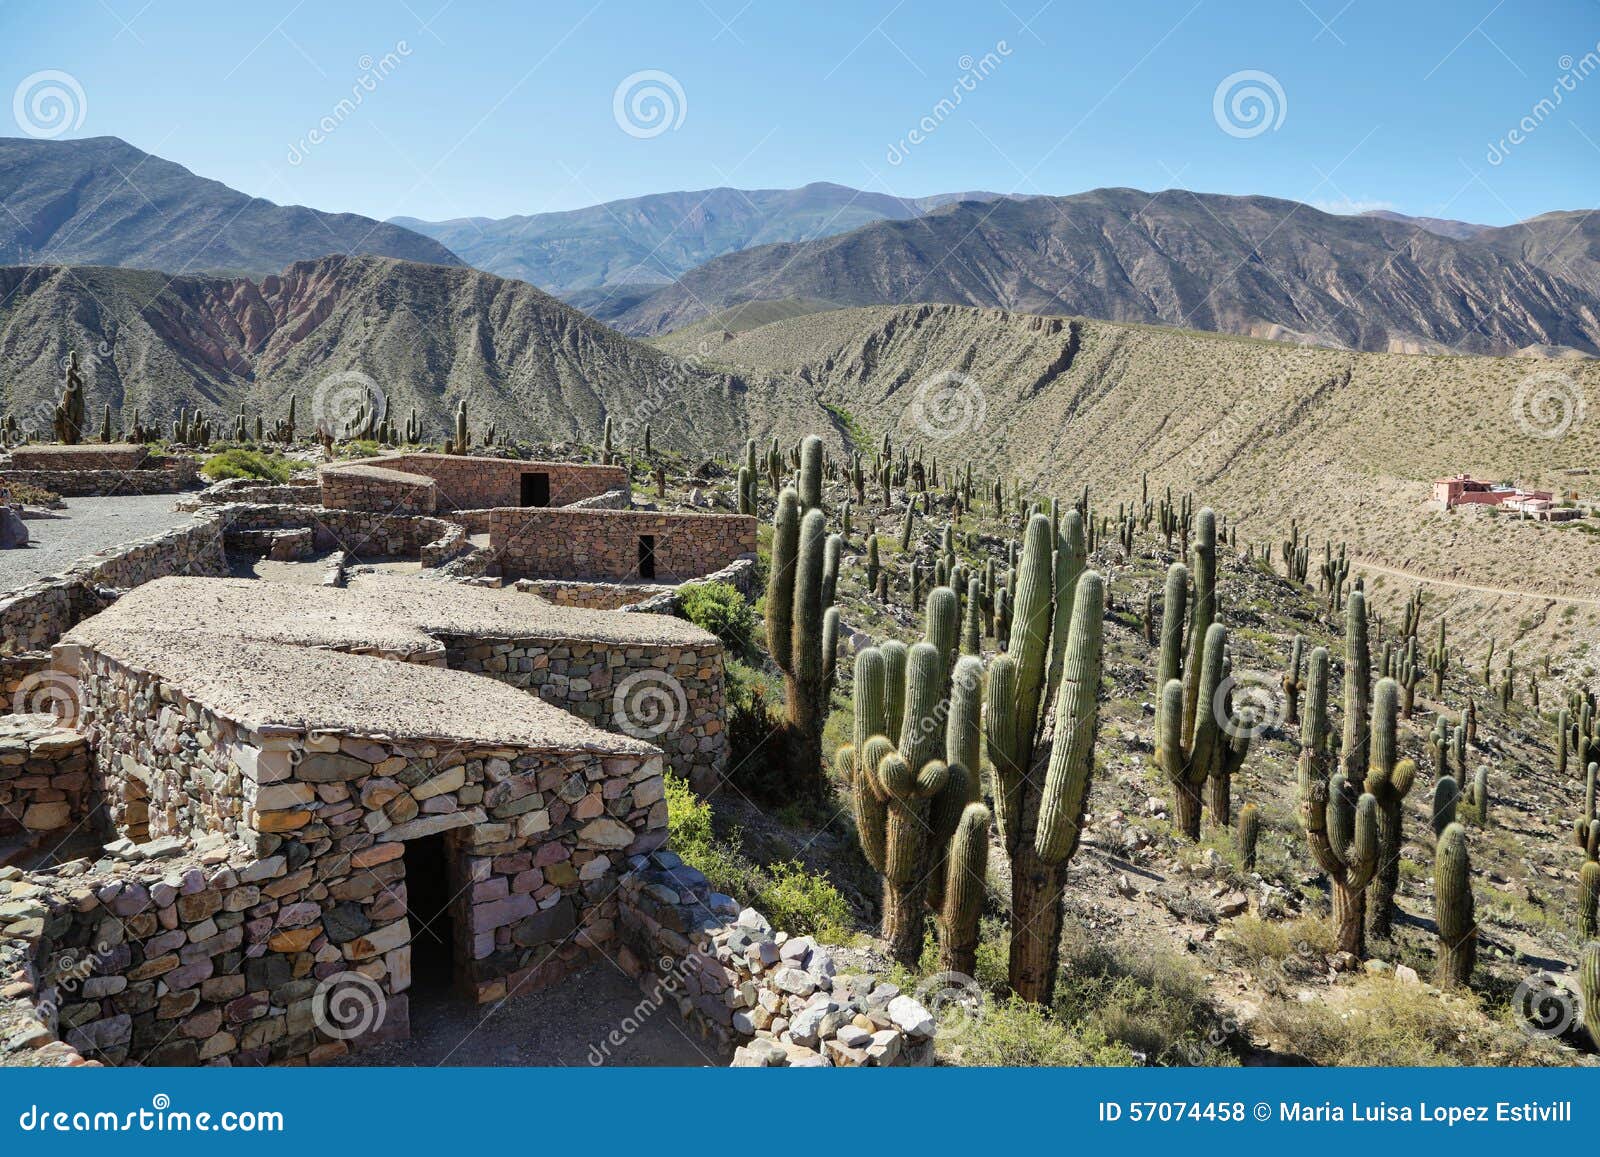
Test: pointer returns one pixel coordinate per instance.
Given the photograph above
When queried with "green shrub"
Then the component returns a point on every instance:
(1015, 1033)
(793, 899)
(722, 610)
(241, 463)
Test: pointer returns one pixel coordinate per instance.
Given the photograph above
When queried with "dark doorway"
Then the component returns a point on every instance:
(427, 862)
(535, 489)
(647, 556)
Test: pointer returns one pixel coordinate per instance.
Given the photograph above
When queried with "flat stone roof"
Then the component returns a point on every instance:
(392, 613)
(265, 685)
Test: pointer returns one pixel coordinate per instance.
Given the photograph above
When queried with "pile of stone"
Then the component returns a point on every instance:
(776, 999)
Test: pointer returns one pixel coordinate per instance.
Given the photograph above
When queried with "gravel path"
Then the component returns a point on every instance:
(85, 526)
(569, 1024)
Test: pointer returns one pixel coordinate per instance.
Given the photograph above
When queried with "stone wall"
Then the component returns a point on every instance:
(156, 476)
(34, 617)
(594, 596)
(86, 456)
(362, 534)
(672, 697)
(250, 490)
(44, 775)
(459, 482)
(780, 1000)
(602, 545)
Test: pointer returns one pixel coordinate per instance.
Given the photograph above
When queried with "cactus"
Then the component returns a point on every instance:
(943, 631)
(1589, 989)
(1357, 691)
(965, 866)
(1341, 824)
(1446, 795)
(811, 473)
(1453, 908)
(69, 416)
(1291, 681)
(1439, 661)
(873, 565)
(463, 437)
(795, 621)
(832, 548)
(1020, 748)
(1389, 781)
(1588, 896)
(1247, 835)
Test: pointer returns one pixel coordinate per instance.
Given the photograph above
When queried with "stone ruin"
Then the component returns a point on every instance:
(296, 802)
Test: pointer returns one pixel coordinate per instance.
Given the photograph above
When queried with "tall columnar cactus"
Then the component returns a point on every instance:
(796, 614)
(854, 759)
(1043, 761)
(1248, 835)
(1357, 691)
(942, 628)
(811, 473)
(1291, 680)
(1588, 899)
(69, 419)
(1390, 781)
(972, 624)
(1439, 661)
(463, 437)
(873, 565)
(1453, 908)
(1408, 673)
(832, 548)
(1446, 797)
(1341, 824)
(1589, 988)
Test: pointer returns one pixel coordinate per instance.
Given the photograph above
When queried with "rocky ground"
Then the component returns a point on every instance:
(59, 538)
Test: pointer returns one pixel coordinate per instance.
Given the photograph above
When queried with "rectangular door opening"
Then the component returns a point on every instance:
(647, 556)
(535, 489)
(427, 880)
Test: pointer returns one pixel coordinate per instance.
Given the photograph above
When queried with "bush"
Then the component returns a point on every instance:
(1015, 1033)
(241, 463)
(793, 899)
(722, 610)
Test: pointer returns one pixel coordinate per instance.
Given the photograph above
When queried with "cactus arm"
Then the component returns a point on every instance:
(1077, 721)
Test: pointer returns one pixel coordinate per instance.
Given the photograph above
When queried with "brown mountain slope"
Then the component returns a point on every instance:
(100, 201)
(1348, 443)
(1245, 265)
(427, 335)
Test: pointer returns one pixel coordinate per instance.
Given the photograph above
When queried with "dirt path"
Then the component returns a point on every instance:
(1452, 584)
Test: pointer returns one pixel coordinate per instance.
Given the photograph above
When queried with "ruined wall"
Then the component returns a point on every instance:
(87, 456)
(44, 775)
(594, 596)
(458, 482)
(156, 476)
(672, 697)
(37, 615)
(591, 545)
(361, 533)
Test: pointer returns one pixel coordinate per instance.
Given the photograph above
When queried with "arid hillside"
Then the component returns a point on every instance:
(1347, 443)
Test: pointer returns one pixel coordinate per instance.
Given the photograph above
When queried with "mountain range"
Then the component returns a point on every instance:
(1246, 265)
(655, 239)
(100, 201)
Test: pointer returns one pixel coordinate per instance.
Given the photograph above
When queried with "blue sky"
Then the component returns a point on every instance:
(492, 109)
